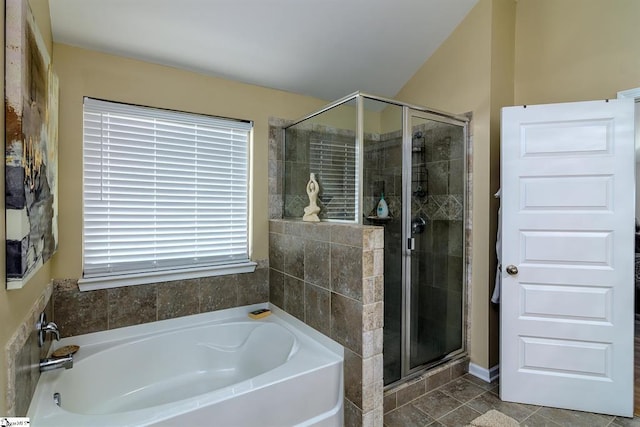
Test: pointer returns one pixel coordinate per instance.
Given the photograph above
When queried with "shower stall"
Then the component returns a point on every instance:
(362, 148)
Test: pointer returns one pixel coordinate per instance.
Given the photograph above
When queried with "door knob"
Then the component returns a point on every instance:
(512, 270)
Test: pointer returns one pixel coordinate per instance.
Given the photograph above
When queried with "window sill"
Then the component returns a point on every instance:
(107, 282)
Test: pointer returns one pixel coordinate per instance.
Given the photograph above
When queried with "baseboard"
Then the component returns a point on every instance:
(487, 375)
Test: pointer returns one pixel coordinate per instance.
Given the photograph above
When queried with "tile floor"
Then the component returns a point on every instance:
(461, 400)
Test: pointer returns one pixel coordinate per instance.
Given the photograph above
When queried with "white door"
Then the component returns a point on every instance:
(568, 193)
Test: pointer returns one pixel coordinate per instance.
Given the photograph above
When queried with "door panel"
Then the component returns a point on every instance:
(565, 302)
(566, 138)
(568, 227)
(573, 193)
(566, 247)
(570, 357)
(435, 183)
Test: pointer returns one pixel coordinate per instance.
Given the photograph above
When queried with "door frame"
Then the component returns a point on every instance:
(635, 95)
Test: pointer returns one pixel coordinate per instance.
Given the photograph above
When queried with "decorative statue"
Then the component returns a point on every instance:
(311, 211)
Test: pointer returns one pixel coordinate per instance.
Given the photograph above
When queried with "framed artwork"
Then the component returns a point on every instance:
(31, 155)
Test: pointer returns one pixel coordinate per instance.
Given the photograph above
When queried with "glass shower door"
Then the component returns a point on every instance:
(434, 227)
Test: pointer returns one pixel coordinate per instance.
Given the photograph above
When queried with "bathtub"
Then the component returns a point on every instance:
(213, 369)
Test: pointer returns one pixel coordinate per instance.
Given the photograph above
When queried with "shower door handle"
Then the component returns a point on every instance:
(411, 244)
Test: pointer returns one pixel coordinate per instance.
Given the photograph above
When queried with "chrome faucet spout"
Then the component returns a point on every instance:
(49, 364)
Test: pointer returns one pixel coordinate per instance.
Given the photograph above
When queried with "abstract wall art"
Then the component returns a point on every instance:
(31, 155)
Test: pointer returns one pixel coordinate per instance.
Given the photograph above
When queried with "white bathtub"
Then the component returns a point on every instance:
(214, 369)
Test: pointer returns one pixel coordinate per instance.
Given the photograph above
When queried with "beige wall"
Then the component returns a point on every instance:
(458, 78)
(15, 304)
(576, 50)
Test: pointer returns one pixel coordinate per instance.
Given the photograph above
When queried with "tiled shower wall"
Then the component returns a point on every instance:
(383, 174)
(438, 167)
(448, 205)
(331, 276)
(297, 157)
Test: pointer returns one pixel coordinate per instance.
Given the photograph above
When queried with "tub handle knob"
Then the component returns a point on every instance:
(43, 327)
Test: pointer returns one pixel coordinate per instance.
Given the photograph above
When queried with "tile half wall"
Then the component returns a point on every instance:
(331, 276)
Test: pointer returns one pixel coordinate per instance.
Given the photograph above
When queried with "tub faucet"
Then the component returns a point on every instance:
(49, 364)
(43, 327)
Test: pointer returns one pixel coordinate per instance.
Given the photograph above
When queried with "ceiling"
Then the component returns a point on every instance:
(322, 48)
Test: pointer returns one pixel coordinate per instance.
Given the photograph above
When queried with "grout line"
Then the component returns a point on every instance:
(611, 423)
(531, 414)
(457, 408)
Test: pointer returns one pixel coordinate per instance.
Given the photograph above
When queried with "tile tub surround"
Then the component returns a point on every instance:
(78, 313)
(22, 355)
(330, 276)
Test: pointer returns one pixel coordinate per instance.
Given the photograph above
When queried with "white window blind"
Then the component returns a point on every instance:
(334, 163)
(163, 190)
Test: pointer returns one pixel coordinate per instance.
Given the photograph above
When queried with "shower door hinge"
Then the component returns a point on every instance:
(411, 244)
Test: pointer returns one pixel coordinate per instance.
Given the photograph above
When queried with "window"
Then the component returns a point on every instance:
(165, 195)
(335, 165)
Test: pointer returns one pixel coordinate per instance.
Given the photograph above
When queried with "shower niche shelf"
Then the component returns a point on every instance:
(375, 220)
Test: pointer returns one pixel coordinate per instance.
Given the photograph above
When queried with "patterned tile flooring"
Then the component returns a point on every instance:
(460, 401)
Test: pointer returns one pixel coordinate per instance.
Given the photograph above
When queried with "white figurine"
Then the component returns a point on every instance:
(311, 211)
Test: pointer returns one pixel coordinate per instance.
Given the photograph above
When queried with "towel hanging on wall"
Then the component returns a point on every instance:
(495, 298)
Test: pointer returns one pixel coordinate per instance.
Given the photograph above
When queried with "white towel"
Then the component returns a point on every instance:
(495, 298)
